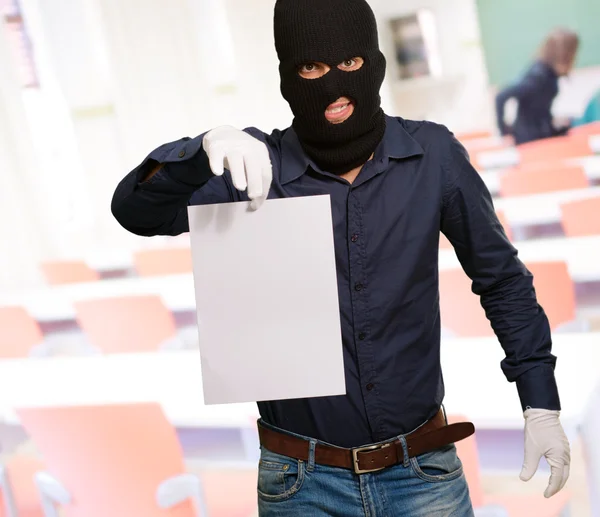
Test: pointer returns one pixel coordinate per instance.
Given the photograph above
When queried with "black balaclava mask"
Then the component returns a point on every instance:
(331, 32)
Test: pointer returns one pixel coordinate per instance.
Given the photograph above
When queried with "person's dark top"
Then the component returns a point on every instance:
(535, 93)
(386, 227)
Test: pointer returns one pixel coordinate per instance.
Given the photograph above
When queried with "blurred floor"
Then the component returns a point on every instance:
(577, 485)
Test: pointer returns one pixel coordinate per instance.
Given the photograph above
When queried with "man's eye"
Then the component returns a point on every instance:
(349, 63)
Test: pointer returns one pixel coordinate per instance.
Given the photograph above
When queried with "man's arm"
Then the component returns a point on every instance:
(504, 284)
(506, 291)
(527, 86)
(153, 198)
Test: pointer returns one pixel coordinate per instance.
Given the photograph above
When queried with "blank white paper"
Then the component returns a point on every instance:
(267, 300)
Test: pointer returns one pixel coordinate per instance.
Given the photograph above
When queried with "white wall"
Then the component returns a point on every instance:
(460, 97)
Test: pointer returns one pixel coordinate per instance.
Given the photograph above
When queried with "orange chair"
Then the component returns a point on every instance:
(20, 334)
(68, 272)
(527, 181)
(581, 218)
(121, 460)
(159, 262)
(557, 148)
(462, 314)
(19, 496)
(515, 505)
(556, 292)
(461, 311)
(445, 243)
(593, 128)
(127, 324)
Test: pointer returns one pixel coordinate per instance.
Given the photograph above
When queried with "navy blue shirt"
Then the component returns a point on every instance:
(535, 92)
(386, 226)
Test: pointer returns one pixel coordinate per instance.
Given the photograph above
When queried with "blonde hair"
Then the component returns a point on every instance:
(560, 49)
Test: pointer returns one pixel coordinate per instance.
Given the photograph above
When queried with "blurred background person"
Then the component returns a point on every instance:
(537, 89)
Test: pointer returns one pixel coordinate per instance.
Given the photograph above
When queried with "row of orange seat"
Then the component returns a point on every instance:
(579, 218)
(145, 324)
(542, 152)
(127, 324)
(152, 262)
(119, 460)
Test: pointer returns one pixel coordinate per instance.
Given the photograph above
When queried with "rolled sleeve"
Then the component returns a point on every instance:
(501, 280)
(159, 206)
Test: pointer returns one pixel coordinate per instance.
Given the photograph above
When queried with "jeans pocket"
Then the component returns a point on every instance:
(439, 465)
(279, 477)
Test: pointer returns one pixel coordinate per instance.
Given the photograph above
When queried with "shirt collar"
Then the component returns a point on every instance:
(396, 143)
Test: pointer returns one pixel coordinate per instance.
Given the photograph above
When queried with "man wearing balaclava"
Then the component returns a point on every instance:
(384, 448)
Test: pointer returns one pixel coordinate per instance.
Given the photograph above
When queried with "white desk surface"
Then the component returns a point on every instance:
(475, 385)
(55, 303)
(591, 165)
(540, 208)
(582, 254)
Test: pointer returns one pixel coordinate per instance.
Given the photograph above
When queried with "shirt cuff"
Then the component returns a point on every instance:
(184, 162)
(538, 389)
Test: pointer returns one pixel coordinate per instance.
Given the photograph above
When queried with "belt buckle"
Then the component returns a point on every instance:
(355, 452)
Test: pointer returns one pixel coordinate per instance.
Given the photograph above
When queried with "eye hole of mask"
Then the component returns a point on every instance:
(315, 70)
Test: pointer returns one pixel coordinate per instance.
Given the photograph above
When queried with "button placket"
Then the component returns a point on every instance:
(360, 309)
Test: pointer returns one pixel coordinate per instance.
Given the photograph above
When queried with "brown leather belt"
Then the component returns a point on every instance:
(431, 436)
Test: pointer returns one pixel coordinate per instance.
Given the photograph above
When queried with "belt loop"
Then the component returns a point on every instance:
(311, 455)
(405, 451)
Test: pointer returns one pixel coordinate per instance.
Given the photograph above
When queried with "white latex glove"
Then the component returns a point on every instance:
(545, 437)
(246, 158)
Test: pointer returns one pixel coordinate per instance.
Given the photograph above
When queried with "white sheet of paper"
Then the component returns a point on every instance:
(267, 301)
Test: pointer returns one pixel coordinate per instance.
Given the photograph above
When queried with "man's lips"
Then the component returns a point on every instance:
(339, 110)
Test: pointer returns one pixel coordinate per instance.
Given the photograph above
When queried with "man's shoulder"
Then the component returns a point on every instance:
(274, 137)
(425, 132)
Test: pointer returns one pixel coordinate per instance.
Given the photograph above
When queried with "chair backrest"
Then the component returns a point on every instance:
(469, 456)
(463, 316)
(19, 332)
(581, 218)
(111, 459)
(523, 181)
(68, 272)
(461, 311)
(126, 324)
(20, 470)
(593, 128)
(159, 262)
(555, 291)
(557, 148)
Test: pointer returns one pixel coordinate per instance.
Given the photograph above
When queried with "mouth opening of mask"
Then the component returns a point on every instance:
(340, 110)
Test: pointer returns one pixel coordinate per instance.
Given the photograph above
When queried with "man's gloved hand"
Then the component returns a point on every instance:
(246, 158)
(544, 436)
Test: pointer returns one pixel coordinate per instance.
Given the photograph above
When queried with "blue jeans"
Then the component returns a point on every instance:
(430, 485)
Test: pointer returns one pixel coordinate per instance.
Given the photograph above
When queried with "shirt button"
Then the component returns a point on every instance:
(370, 386)
(359, 287)
(181, 153)
(354, 237)
(362, 336)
